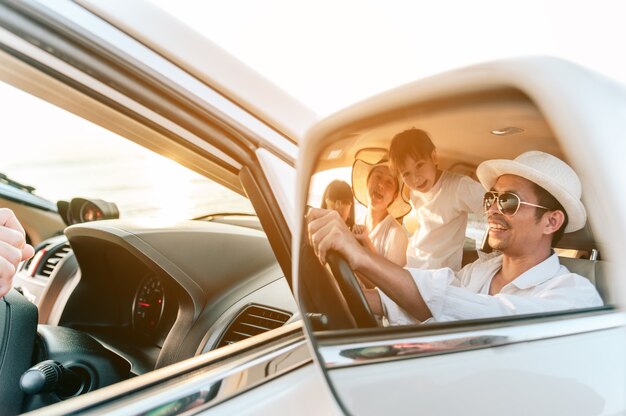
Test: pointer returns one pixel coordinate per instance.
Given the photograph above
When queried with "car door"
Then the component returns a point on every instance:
(569, 362)
(81, 61)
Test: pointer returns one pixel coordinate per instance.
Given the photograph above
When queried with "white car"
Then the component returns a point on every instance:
(235, 315)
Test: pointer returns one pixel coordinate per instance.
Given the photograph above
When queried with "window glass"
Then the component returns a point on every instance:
(64, 156)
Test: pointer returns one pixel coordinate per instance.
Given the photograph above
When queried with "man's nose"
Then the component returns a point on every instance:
(493, 209)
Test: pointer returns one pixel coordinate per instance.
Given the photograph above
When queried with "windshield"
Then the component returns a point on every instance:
(64, 156)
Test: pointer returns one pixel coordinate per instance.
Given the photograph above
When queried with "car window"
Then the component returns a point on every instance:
(148, 290)
(64, 156)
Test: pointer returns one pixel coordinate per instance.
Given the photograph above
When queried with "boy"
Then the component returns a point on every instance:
(441, 201)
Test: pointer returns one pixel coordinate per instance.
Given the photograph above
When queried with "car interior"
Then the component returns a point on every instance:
(128, 287)
(117, 297)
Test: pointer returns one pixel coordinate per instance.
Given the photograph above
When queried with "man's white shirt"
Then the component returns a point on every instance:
(450, 296)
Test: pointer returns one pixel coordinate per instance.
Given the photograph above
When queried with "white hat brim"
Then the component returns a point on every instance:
(360, 172)
(489, 171)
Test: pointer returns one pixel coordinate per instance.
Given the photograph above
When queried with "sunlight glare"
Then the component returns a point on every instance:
(170, 188)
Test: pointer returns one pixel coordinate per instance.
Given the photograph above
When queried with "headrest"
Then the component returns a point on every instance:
(582, 239)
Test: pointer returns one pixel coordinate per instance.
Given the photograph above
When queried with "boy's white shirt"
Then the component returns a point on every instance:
(442, 217)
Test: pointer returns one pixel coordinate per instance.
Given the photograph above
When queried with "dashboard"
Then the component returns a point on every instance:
(158, 295)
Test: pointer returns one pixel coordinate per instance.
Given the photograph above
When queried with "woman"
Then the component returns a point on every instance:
(379, 190)
(338, 196)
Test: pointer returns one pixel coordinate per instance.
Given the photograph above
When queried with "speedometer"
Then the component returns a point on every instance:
(148, 305)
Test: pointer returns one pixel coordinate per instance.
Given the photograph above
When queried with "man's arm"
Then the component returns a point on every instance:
(13, 248)
(327, 231)
(397, 283)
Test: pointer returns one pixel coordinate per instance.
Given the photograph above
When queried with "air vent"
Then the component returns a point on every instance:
(251, 321)
(55, 255)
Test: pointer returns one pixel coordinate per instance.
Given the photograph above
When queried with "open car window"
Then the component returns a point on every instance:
(64, 156)
(176, 245)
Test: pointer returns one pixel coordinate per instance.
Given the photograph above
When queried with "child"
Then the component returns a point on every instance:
(441, 201)
(379, 190)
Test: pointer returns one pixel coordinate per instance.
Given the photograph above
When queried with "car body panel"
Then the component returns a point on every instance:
(569, 375)
(227, 156)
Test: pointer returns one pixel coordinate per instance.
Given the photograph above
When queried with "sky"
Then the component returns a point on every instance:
(331, 53)
(64, 156)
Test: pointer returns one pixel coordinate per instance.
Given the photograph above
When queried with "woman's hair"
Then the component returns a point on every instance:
(413, 142)
(340, 191)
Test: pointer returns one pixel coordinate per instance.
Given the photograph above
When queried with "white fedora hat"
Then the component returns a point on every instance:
(360, 172)
(547, 171)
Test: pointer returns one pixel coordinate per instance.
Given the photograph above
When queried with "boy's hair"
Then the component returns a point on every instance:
(412, 142)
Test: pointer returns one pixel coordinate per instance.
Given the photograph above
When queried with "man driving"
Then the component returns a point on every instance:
(531, 201)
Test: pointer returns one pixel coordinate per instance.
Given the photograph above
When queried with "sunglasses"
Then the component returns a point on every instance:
(507, 202)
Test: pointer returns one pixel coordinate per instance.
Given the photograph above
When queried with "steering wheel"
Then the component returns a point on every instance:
(351, 290)
(18, 326)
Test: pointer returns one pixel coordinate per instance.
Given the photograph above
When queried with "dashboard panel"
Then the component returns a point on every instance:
(148, 305)
(158, 295)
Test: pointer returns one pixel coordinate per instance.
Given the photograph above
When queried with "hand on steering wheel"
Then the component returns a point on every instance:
(351, 290)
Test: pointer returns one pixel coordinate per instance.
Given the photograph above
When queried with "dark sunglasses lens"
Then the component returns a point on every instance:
(509, 203)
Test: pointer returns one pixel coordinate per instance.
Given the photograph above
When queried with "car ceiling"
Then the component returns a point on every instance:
(460, 128)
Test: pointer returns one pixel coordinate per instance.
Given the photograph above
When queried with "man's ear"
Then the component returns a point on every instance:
(554, 221)
(433, 156)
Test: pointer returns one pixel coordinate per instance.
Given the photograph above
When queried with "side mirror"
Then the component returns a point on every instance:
(469, 115)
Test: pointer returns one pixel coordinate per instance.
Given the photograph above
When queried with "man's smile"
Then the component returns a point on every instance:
(497, 226)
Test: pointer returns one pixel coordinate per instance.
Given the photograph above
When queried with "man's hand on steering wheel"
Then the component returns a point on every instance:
(335, 244)
(328, 231)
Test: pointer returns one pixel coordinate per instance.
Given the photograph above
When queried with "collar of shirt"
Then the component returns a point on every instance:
(534, 276)
(538, 274)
